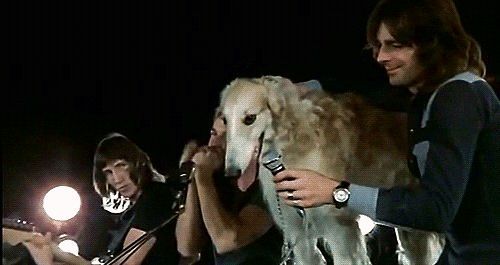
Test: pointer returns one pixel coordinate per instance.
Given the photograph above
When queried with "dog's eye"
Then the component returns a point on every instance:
(249, 119)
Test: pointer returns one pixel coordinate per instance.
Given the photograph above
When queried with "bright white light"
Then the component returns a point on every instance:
(62, 203)
(365, 224)
(69, 245)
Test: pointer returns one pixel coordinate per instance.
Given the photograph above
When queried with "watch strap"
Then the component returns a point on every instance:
(344, 185)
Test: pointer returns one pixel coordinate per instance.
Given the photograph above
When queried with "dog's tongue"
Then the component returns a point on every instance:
(248, 176)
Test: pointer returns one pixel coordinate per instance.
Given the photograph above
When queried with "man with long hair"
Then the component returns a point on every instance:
(228, 213)
(453, 128)
(121, 167)
(137, 194)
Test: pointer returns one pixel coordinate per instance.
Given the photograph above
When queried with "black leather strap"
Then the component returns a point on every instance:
(343, 184)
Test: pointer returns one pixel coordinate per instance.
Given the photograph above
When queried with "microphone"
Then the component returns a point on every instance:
(274, 164)
(185, 171)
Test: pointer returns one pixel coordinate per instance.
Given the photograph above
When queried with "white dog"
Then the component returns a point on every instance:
(339, 136)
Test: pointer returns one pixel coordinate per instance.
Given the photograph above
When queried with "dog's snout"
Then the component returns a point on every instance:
(232, 172)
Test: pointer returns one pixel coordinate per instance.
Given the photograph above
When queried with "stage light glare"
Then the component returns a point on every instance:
(69, 245)
(62, 203)
(366, 225)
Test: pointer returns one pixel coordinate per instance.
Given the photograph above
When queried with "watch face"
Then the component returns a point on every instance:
(341, 195)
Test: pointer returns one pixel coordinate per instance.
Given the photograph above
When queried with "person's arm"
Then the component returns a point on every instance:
(66, 257)
(447, 168)
(308, 86)
(138, 256)
(228, 231)
(37, 245)
(44, 251)
(190, 231)
(152, 208)
(456, 119)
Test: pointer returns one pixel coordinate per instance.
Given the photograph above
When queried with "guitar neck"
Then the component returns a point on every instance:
(18, 224)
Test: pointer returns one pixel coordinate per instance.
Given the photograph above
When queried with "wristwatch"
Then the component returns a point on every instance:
(341, 194)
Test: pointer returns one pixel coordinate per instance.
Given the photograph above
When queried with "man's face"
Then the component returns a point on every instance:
(399, 61)
(218, 134)
(117, 174)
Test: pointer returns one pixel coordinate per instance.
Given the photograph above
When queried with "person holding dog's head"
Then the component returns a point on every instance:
(227, 212)
(453, 127)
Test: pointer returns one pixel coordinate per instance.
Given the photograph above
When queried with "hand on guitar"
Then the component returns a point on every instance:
(39, 248)
(44, 250)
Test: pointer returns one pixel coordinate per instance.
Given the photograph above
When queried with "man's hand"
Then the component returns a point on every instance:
(40, 240)
(209, 158)
(304, 188)
(39, 248)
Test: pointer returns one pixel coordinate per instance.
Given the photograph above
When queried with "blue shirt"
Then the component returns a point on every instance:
(454, 137)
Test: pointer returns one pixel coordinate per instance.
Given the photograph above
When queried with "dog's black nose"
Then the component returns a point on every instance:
(233, 172)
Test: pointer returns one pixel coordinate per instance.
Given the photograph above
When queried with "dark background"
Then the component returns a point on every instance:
(153, 71)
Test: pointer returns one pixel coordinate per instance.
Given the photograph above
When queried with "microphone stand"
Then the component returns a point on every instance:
(186, 171)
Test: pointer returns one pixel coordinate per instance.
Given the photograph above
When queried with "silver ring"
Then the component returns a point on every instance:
(289, 195)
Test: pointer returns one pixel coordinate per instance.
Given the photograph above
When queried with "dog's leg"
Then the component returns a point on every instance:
(305, 250)
(418, 247)
(342, 235)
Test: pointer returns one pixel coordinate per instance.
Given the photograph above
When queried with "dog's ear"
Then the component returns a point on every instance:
(223, 95)
(275, 99)
(278, 89)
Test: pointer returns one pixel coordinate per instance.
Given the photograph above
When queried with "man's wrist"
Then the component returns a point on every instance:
(333, 184)
(341, 194)
(205, 169)
(204, 174)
